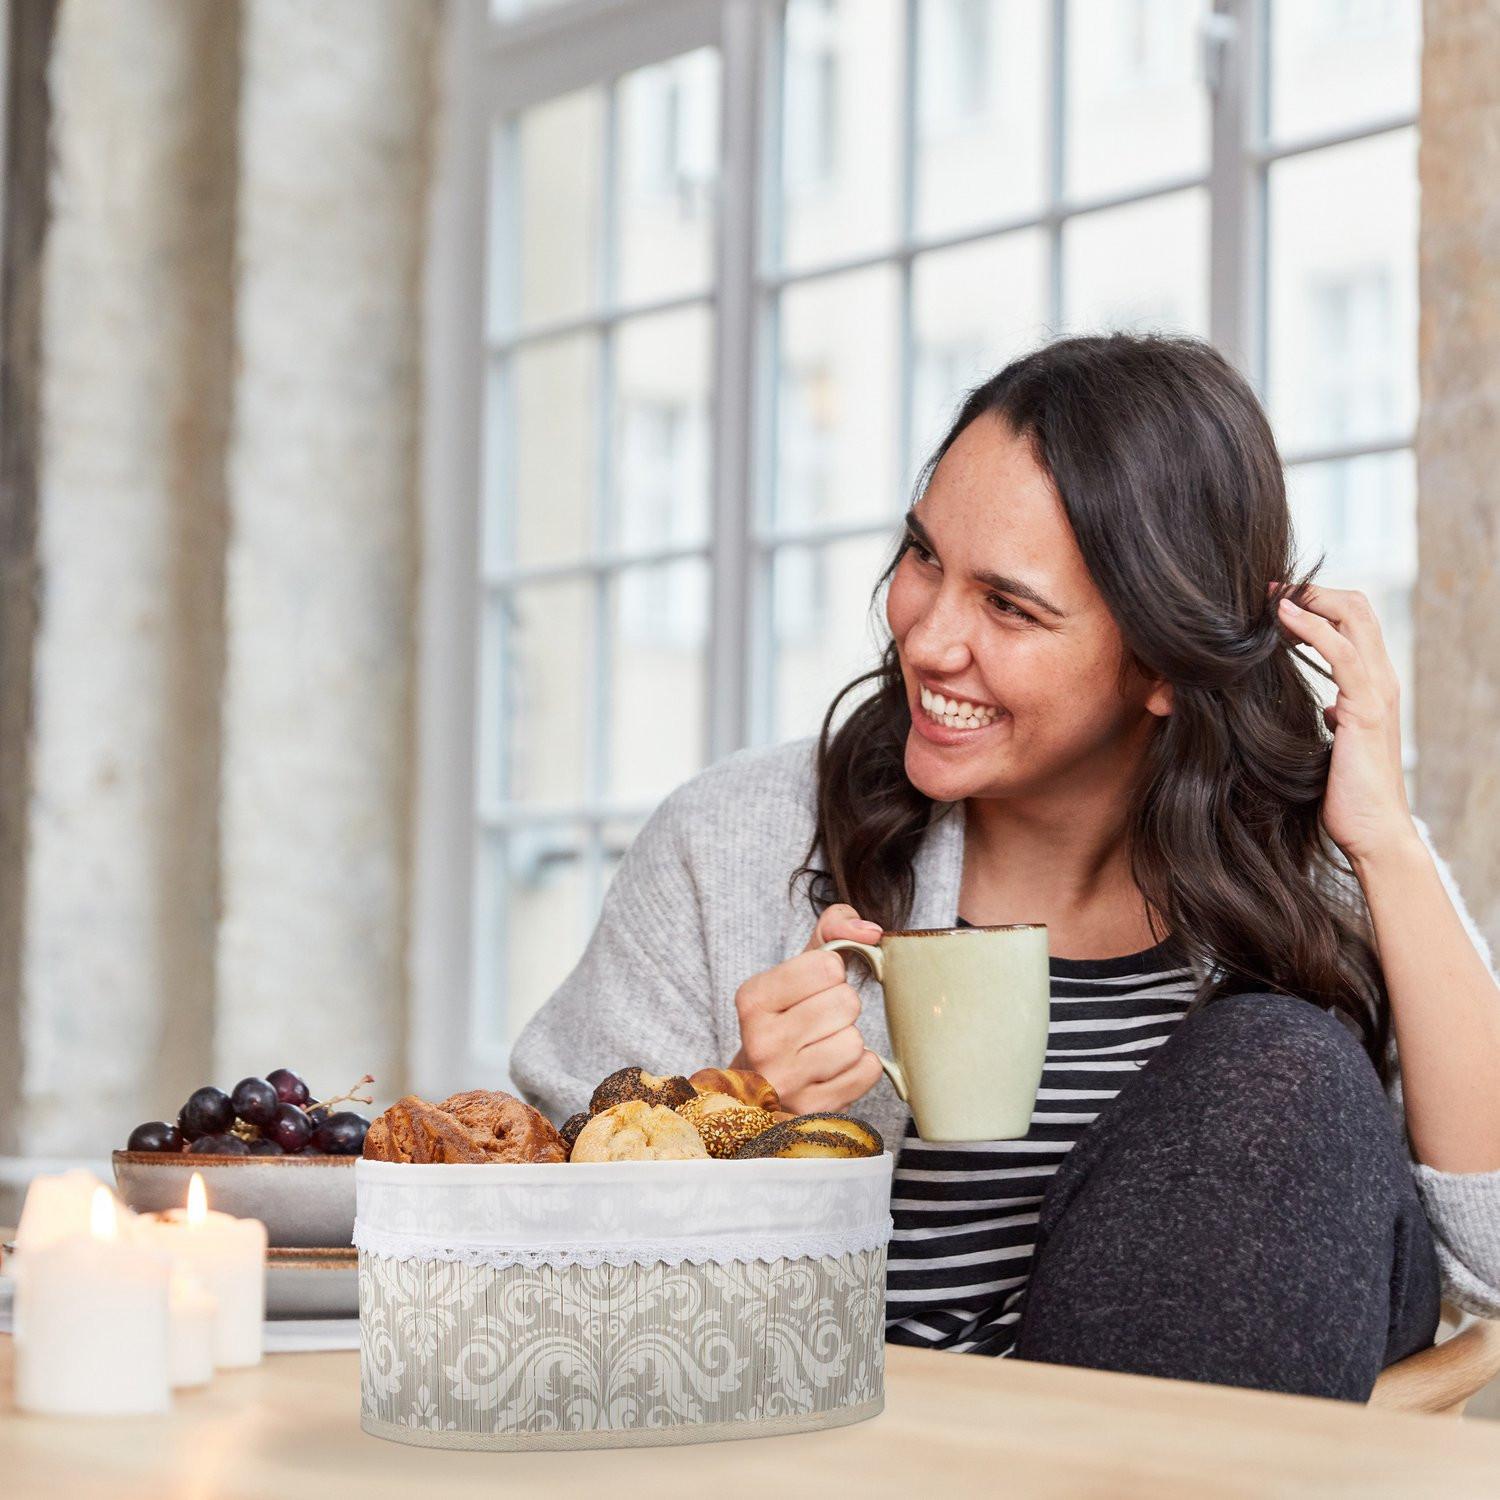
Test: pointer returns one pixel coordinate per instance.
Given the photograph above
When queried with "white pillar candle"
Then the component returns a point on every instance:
(57, 1207)
(190, 1343)
(228, 1257)
(91, 1323)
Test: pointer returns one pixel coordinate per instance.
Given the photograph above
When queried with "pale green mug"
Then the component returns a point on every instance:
(967, 1009)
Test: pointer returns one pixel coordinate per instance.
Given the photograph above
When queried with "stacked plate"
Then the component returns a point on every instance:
(305, 1202)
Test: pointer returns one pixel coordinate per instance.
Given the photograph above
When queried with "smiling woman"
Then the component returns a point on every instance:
(1090, 715)
(1089, 554)
(1086, 668)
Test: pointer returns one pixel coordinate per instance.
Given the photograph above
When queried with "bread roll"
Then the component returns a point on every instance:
(637, 1131)
(571, 1126)
(823, 1134)
(412, 1130)
(480, 1126)
(504, 1128)
(739, 1083)
(634, 1083)
(724, 1122)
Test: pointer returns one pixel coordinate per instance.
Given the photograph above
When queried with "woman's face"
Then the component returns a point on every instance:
(1042, 671)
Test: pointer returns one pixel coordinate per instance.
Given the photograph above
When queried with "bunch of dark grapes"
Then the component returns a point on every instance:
(271, 1116)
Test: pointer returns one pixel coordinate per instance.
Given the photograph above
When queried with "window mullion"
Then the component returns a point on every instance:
(908, 188)
(1234, 199)
(759, 561)
(1256, 70)
(744, 24)
(767, 364)
(604, 528)
(1056, 148)
(593, 878)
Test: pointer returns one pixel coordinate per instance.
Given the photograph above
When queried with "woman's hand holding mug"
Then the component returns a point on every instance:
(797, 1022)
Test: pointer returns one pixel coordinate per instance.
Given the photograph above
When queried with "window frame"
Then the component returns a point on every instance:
(495, 67)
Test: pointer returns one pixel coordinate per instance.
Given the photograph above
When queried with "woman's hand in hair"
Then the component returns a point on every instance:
(797, 1022)
(1364, 805)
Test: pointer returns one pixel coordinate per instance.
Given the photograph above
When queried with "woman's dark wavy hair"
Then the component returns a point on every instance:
(1170, 477)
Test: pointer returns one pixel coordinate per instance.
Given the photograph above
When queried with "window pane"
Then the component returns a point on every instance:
(973, 309)
(661, 432)
(548, 682)
(1362, 512)
(1144, 267)
(823, 631)
(509, 10)
(532, 923)
(1342, 284)
(658, 635)
(559, 150)
(841, 115)
(1338, 63)
(1137, 110)
(491, 776)
(668, 166)
(980, 111)
(836, 417)
(548, 518)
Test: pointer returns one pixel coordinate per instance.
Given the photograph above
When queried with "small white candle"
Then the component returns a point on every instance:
(228, 1257)
(57, 1207)
(91, 1323)
(190, 1343)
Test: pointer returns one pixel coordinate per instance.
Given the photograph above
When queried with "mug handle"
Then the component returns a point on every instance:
(873, 956)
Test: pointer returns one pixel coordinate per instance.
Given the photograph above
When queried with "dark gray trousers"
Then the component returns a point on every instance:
(1243, 1212)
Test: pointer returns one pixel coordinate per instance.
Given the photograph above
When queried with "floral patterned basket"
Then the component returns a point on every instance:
(620, 1303)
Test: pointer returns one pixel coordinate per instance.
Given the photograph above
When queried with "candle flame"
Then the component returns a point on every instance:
(197, 1202)
(103, 1223)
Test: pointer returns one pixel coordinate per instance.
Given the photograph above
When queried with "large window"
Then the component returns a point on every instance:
(742, 260)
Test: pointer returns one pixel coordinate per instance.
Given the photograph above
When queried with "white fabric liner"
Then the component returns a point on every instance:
(624, 1213)
(672, 1252)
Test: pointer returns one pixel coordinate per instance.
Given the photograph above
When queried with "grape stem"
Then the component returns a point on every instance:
(352, 1097)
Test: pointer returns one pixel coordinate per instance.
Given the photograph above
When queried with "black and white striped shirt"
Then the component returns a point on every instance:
(965, 1213)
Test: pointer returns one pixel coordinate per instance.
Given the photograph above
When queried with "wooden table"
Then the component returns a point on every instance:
(953, 1424)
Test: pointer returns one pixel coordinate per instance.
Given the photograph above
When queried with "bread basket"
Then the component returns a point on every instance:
(618, 1304)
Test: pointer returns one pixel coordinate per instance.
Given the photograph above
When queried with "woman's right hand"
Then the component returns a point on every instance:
(797, 1022)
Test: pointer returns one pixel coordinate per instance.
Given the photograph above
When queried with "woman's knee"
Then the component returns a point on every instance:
(1272, 1080)
(1252, 1089)
(1251, 1188)
(1279, 1045)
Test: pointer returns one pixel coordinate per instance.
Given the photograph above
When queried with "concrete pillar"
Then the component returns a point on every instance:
(1457, 614)
(25, 49)
(322, 557)
(120, 885)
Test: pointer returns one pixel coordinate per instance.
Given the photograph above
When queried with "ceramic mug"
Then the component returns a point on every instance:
(967, 1009)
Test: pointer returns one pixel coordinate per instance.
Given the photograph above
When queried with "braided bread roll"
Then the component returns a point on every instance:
(479, 1126)
(739, 1083)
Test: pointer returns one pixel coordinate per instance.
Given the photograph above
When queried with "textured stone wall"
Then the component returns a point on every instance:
(25, 50)
(217, 830)
(1458, 449)
(118, 948)
(321, 562)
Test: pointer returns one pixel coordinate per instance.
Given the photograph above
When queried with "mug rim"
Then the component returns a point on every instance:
(952, 931)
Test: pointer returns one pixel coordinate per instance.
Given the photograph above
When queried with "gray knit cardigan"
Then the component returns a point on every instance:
(700, 903)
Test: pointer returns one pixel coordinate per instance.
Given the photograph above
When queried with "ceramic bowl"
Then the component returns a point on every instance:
(304, 1201)
(309, 1283)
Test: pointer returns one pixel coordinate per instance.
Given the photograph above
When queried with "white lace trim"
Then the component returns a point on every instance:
(398, 1246)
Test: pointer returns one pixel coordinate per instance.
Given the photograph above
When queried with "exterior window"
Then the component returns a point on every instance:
(712, 375)
(812, 93)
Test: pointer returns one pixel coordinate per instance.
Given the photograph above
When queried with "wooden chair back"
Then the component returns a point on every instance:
(1443, 1378)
